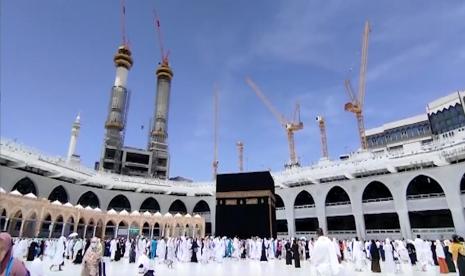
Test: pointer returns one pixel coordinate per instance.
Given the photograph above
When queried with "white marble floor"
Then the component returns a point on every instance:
(228, 267)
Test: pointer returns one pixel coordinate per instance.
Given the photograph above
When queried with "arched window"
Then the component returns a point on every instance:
(304, 199)
(376, 191)
(424, 186)
(178, 207)
(89, 199)
(119, 203)
(60, 194)
(150, 204)
(279, 202)
(337, 196)
(25, 186)
(201, 207)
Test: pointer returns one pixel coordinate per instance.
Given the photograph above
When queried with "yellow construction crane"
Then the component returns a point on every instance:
(289, 127)
(356, 103)
(324, 141)
(240, 151)
(215, 131)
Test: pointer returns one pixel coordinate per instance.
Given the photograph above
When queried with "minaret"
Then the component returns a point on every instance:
(116, 118)
(158, 140)
(74, 135)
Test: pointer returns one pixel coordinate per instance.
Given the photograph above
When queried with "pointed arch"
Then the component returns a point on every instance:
(304, 198)
(423, 185)
(60, 194)
(150, 204)
(25, 186)
(89, 198)
(376, 191)
(279, 201)
(15, 223)
(337, 196)
(120, 203)
(201, 207)
(178, 207)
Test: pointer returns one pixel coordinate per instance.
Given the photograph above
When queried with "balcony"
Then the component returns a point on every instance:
(434, 201)
(305, 211)
(433, 233)
(342, 208)
(378, 206)
(342, 234)
(383, 233)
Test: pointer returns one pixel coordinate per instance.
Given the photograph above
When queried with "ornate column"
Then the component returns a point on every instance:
(6, 224)
(50, 229)
(63, 228)
(21, 228)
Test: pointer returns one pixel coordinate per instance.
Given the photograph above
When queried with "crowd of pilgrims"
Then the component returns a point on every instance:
(325, 254)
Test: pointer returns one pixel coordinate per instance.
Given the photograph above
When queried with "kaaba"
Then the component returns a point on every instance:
(245, 205)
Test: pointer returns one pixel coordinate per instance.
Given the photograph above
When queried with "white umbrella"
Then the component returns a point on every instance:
(72, 235)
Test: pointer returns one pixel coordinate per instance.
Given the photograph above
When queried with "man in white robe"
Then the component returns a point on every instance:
(161, 250)
(77, 246)
(389, 264)
(112, 249)
(58, 254)
(140, 247)
(236, 247)
(421, 253)
(357, 254)
(324, 257)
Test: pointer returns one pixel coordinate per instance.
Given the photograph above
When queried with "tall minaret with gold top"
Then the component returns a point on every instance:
(117, 113)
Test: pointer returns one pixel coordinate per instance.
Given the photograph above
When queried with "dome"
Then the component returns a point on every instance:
(168, 215)
(197, 216)
(16, 193)
(97, 209)
(112, 212)
(56, 202)
(2, 191)
(124, 213)
(187, 216)
(79, 206)
(30, 195)
(147, 214)
(67, 204)
(158, 214)
(135, 213)
(88, 208)
(178, 215)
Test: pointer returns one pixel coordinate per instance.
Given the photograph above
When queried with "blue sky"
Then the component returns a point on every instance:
(56, 61)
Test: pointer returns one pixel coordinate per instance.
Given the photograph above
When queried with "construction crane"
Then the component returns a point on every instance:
(240, 151)
(356, 102)
(324, 141)
(289, 127)
(123, 24)
(215, 131)
(164, 56)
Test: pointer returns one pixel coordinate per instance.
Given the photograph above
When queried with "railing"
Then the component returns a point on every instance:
(421, 196)
(383, 231)
(304, 206)
(342, 232)
(202, 213)
(433, 230)
(377, 199)
(305, 233)
(338, 203)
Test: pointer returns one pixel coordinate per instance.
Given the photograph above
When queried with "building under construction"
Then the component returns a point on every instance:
(120, 159)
